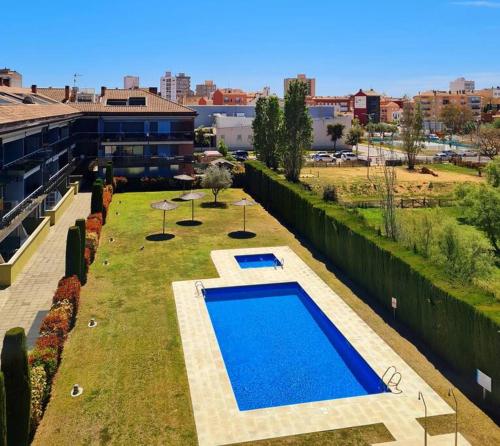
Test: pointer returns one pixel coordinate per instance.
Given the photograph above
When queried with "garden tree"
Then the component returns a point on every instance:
(222, 148)
(217, 179)
(73, 253)
(493, 172)
(96, 197)
(371, 128)
(3, 413)
(274, 132)
(412, 132)
(202, 136)
(386, 186)
(267, 130)
(297, 130)
(354, 136)
(17, 382)
(480, 207)
(496, 123)
(109, 174)
(335, 132)
(455, 118)
(488, 141)
(80, 224)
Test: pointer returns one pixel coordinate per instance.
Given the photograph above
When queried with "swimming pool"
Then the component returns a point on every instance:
(257, 261)
(279, 348)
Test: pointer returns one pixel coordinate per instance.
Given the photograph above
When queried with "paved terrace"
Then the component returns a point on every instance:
(218, 419)
(25, 303)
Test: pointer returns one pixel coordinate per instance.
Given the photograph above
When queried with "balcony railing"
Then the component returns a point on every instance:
(146, 137)
(143, 161)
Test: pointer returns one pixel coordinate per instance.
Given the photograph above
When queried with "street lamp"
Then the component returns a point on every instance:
(452, 393)
(421, 398)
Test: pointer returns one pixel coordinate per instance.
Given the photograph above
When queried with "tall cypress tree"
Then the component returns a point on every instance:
(109, 174)
(17, 386)
(297, 130)
(73, 253)
(80, 224)
(259, 126)
(96, 198)
(3, 413)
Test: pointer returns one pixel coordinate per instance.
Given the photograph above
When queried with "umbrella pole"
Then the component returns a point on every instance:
(163, 222)
(192, 210)
(244, 219)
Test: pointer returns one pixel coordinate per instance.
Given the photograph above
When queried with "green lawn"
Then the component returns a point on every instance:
(131, 365)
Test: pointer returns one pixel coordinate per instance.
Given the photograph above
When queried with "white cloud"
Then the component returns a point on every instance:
(478, 4)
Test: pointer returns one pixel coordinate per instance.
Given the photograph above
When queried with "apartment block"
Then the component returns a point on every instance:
(229, 96)
(461, 85)
(367, 106)
(130, 82)
(310, 82)
(206, 89)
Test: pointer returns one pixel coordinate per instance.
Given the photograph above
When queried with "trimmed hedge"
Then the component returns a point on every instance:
(81, 225)
(3, 413)
(73, 253)
(96, 197)
(17, 386)
(459, 323)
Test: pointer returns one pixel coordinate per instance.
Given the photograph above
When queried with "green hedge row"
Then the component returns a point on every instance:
(461, 324)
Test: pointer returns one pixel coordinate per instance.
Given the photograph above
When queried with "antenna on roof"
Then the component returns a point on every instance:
(74, 78)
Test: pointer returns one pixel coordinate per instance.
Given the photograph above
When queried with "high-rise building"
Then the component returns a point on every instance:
(206, 89)
(183, 85)
(310, 82)
(130, 82)
(461, 85)
(10, 78)
(168, 86)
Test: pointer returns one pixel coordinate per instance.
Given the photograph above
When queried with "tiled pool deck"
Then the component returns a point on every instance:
(217, 417)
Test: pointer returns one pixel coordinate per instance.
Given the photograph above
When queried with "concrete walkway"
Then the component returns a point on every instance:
(25, 303)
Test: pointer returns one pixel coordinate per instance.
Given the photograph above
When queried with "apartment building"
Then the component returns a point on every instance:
(462, 85)
(10, 78)
(390, 111)
(168, 86)
(366, 106)
(432, 103)
(206, 89)
(229, 96)
(36, 147)
(342, 104)
(310, 82)
(183, 85)
(130, 82)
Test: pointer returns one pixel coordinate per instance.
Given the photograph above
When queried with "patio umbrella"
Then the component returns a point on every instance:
(191, 196)
(244, 202)
(164, 206)
(185, 179)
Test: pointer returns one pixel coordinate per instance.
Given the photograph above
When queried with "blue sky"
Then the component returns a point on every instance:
(394, 46)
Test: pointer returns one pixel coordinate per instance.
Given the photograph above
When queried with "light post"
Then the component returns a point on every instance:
(452, 393)
(421, 398)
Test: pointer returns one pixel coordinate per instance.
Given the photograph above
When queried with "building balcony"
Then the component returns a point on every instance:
(144, 161)
(147, 137)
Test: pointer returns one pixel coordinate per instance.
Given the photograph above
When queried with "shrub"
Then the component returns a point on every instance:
(87, 257)
(120, 183)
(46, 357)
(39, 392)
(94, 224)
(109, 174)
(51, 341)
(92, 243)
(96, 198)
(3, 413)
(56, 322)
(80, 223)
(493, 171)
(73, 254)
(68, 289)
(17, 386)
(106, 201)
(330, 193)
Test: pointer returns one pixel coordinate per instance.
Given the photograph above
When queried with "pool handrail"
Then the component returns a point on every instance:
(394, 380)
(200, 288)
(280, 262)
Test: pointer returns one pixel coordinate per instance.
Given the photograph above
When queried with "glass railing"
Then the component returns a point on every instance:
(145, 137)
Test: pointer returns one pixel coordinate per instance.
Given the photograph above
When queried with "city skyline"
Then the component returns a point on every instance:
(258, 52)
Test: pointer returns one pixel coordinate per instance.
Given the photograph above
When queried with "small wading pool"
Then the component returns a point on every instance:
(279, 348)
(257, 261)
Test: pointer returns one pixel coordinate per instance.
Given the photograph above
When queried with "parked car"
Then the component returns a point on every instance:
(325, 157)
(468, 153)
(442, 156)
(241, 155)
(338, 153)
(349, 156)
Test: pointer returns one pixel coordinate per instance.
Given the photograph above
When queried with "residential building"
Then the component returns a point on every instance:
(254, 95)
(10, 78)
(130, 82)
(229, 96)
(143, 134)
(183, 83)
(206, 89)
(36, 147)
(390, 111)
(432, 103)
(367, 106)
(168, 86)
(461, 85)
(342, 104)
(310, 82)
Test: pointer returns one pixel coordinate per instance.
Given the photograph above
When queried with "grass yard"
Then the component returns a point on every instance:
(353, 184)
(131, 365)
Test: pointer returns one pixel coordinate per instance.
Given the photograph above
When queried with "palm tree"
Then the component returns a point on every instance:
(335, 131)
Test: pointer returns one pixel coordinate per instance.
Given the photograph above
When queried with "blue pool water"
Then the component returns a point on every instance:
(279, 348)
(257, 261)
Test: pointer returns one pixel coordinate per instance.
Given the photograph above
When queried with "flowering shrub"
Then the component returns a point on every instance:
(94, 223)
(107, 195)
(56, 322)
(39, 392)
(89, 258)
(92, 242)
(68, 289)
(47, 357)
(120, 183)
(50, 341)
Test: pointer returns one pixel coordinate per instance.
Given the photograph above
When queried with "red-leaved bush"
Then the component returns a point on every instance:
(94, 223)
(50, 341)
(68, 289)
(56, 322)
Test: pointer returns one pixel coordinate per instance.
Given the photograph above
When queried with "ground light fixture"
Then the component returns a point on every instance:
(92, 323)
(452, 393)
(106, 262)
(111, 239)
(421, 398)
(76, 390)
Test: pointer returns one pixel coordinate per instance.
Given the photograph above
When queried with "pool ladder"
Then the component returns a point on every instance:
(200, 288)
(394, 380)
(280, 262)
